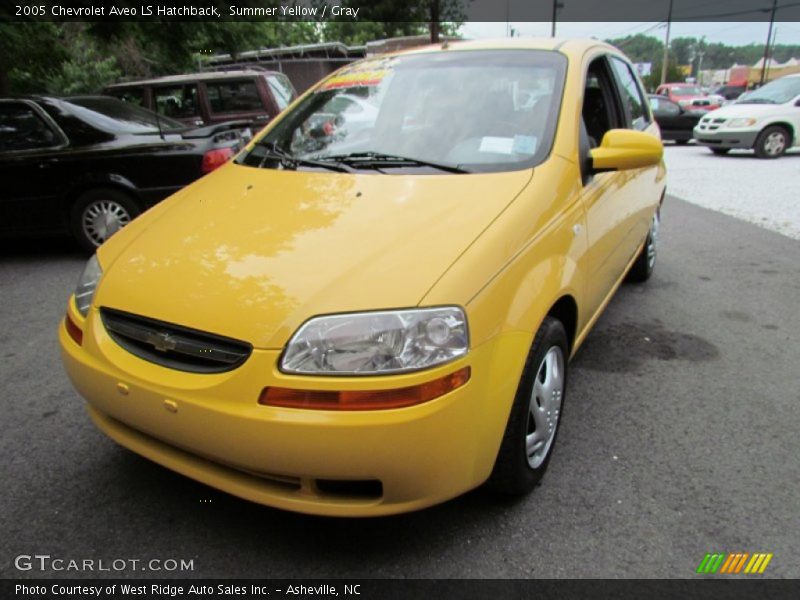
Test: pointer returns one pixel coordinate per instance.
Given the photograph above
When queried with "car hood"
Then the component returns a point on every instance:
(252, 253)
(732, 111)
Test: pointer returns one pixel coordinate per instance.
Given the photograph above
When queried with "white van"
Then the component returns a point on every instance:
(766, 120)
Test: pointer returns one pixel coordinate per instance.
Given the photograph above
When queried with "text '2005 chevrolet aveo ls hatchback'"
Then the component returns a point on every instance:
(371, 309)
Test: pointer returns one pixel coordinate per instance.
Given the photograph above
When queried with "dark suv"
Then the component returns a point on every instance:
(214, 97)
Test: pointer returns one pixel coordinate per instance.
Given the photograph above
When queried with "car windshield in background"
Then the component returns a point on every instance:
(775, 92)
(462, 111)
(111, 114)
(686, 91)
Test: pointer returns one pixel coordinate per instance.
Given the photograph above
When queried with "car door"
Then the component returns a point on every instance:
(636, 202)
(31, 146)
(602, 195)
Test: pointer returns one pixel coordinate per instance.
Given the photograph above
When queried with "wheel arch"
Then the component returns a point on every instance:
(565, 309)
(785, 125)
(87, 184)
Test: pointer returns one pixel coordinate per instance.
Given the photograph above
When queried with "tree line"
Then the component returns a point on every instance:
(82, 57)
(696, 53)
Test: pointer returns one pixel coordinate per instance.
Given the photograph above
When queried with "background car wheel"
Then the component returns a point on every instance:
(772, 142)
(720, 151)
(645, 263)
(99, 213)
(535, 415)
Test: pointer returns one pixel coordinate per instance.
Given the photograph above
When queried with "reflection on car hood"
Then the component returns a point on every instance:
(252, 253)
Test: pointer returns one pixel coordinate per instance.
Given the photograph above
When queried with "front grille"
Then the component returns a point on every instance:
(174, 346)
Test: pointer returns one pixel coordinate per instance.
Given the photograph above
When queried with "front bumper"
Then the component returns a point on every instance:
(210, 427)
(725, 139)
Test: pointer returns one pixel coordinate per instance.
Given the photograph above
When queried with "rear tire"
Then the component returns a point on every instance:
(98, 214)
(772, 142)
(532, 426)
(645, 263)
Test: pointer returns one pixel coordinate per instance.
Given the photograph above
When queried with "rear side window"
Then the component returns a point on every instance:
(177, 102)
(21, 128)
(631, 94)
(281, 89)
(131, 95)
(234, 96)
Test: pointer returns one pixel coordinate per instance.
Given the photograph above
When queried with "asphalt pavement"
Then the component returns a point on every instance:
(680, 437)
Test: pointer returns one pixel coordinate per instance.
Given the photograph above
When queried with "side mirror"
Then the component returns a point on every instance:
(623, 149)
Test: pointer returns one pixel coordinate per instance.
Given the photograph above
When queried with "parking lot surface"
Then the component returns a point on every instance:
(679, 438)
(764, 192)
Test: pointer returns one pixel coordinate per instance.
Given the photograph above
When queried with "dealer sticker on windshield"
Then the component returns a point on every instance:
(525, 144)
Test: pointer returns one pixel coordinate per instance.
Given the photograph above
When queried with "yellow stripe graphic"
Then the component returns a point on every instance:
(765, 563)
(754, 562)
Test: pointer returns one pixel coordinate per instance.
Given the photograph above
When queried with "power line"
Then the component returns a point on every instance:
(734, 13)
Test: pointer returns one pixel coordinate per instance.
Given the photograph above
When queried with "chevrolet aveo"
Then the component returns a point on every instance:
(364, 314)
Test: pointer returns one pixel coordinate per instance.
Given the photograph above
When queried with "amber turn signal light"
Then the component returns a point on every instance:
(73, 330)
(364, 400)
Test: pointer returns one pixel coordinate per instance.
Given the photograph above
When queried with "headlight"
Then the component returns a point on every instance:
(377, 342)
(741, 122)
(84, 292)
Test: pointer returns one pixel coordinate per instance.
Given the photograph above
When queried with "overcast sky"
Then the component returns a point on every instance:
(731, 33)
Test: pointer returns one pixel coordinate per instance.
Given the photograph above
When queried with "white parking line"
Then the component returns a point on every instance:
(764, 192)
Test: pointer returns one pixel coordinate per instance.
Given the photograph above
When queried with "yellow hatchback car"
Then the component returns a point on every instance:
(371, 309)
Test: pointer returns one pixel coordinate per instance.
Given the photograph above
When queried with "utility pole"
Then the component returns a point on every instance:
(556, 6)
(772, 49)
(769, 38)
(435, 25)
(665, 62)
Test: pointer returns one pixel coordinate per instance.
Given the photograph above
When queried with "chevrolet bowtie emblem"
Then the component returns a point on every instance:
(161, 341)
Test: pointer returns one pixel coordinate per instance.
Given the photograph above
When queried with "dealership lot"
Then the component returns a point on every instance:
(763, 192)
(679, 439)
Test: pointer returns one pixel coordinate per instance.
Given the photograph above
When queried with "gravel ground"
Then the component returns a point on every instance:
(764, 192)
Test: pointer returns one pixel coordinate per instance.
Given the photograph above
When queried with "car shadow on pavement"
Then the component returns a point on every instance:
(185, 505)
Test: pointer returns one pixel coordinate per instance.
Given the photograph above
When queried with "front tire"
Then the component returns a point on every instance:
(772, 142)
(98, 214)
(645, 263)
(532, 426)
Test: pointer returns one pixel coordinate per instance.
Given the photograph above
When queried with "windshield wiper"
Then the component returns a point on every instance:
(379, 160)
(291, 162)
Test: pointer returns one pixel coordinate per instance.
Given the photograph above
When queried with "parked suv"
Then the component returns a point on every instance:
(207, 98)
(766, 120)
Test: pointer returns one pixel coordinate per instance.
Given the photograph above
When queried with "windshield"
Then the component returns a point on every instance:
(686, 91)
(111, 114)
(775, 92)
(470, 111)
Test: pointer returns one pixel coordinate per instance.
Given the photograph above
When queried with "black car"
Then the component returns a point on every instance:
(675, 121)
(89, 165)
(730, 92)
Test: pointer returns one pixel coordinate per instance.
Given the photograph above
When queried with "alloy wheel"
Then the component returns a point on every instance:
(545, 407)
(102, 219)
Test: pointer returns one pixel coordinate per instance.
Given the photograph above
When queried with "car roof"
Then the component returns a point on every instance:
(189, 77)
(569, 46)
